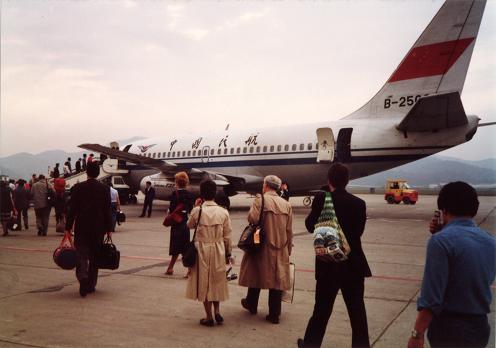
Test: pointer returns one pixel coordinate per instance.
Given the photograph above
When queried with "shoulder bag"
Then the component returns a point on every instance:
(175, 217)
(190, 253)
(108, 257)
(251, 239)
(65, 255)
(329, 235)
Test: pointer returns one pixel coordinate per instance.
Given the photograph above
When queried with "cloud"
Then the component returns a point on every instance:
(130, 4)
(243, 19)
(181, 23)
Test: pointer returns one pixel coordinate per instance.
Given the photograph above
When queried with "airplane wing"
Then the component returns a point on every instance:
(153, 163)
(166, 167)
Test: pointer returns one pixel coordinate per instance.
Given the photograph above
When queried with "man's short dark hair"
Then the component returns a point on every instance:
(93, 170)
(208, 190)
(149, 183)
(458, 199)
(41, 177)
(338, 175)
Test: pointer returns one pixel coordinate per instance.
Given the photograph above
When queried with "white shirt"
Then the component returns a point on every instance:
(114, 195)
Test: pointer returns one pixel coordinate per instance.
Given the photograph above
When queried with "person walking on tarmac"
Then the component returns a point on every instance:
(89, 212)
(149, 197)
(348, 276)
(61, 199)
(40, 191)
(7, 207)
(268, 268)
(179, 233)
(115, 204)
(21, 199)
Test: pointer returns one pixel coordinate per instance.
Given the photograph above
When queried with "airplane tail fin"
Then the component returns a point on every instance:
(436, 64)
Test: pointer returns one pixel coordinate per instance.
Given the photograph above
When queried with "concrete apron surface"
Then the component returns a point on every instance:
(138, 306)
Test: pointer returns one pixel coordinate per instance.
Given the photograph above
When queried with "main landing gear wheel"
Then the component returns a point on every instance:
(307, 201)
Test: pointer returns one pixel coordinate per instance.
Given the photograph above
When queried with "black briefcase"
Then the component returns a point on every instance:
(121, 217)
(108, 256)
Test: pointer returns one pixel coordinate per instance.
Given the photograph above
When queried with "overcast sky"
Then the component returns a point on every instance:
(97, 71)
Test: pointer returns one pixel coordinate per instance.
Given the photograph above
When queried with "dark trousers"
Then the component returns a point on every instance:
(22, 213)
(113, 207)
(352, 289)
(458, 330)
(42, 217)
(147, 204)
(274, 300)
(86, 267)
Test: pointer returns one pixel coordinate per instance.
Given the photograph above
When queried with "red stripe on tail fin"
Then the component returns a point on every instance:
(430, 60)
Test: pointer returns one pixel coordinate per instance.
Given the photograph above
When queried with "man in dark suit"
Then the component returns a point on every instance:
(149, 197)
(90, 210)
(347, 276)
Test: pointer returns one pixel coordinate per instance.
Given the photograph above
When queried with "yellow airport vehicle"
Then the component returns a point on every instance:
(398, 190)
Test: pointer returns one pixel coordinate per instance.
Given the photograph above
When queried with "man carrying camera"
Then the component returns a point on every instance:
(459, 270)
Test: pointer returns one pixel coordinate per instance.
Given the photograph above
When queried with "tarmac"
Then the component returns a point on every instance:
(138, 306)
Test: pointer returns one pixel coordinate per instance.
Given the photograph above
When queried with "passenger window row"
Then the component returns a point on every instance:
(232, 151)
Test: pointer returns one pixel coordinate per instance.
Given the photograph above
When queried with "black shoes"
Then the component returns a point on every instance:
(207, 322)
(83, 287)
(300, 343)
(247, 306)
(271, 319)
(219, 319)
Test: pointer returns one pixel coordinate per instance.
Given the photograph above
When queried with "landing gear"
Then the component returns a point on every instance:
(307, 201)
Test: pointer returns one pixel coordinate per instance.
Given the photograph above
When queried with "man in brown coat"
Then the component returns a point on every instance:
(269, 268)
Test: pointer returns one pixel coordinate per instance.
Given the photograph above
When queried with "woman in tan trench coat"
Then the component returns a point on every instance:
(269, 268)
(207, 280)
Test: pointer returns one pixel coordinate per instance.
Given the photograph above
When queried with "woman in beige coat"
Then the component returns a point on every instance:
(269, 268)
(207, 280)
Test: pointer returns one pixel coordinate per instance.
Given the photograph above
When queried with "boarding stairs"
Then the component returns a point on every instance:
(107, 169)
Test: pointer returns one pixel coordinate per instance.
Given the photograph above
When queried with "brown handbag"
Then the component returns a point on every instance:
(176, 216)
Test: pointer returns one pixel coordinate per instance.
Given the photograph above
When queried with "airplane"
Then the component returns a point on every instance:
(418, 112)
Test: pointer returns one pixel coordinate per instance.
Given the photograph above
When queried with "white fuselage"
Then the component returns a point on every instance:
(291, 152)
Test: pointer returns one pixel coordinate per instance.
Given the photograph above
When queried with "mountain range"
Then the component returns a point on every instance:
(433, 170)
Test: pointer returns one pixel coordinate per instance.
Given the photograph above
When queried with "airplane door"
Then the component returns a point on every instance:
(343, 148)
(325, 138)
(205, 154)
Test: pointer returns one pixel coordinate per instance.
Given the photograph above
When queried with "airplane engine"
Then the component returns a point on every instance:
(164, 186)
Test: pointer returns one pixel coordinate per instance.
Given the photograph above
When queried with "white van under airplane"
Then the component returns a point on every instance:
(417, 113)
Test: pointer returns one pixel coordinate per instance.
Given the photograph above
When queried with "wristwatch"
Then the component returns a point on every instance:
(415, 334)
